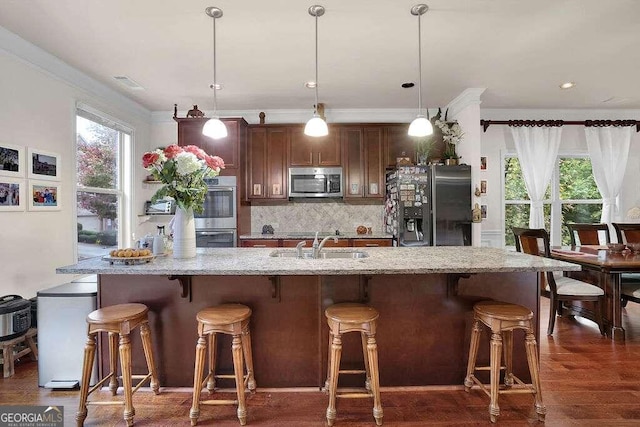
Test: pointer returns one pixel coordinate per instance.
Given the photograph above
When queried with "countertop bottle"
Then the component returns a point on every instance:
(158, 241)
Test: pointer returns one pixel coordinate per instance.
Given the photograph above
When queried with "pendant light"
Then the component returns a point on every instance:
(214, 127)
(316, 126)
(420, 126)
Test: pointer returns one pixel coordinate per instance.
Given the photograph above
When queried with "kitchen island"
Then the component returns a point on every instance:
(425, 297)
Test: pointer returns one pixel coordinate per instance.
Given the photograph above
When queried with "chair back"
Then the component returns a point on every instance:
(627, 233)
(535, 241)
(588, 234)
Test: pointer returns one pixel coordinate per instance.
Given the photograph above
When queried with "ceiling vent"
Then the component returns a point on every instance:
(126, 81)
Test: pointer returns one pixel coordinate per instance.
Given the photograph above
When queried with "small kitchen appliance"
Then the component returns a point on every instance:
(15, 316)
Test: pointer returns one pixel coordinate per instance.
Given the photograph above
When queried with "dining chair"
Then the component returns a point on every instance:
(588, 234)
(558, 289)
(629, 282)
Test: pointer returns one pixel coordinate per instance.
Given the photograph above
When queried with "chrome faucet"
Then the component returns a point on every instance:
(299, 247)
(316, 250)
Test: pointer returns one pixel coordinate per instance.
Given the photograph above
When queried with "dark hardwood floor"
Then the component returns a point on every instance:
(587, 380)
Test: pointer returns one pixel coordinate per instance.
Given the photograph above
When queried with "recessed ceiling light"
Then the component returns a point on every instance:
(310, 85)
(218, 86)
(408, 85)
(567, 85)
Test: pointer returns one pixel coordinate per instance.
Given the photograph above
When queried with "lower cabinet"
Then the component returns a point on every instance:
(291, 243)
(260, 243)
(371, 243)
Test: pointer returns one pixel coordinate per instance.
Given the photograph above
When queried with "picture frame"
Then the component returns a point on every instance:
(483, 163)
(11, 160)
(12, 194)
(483, 211)
(483, 186)
(43, 165)
(44, 196)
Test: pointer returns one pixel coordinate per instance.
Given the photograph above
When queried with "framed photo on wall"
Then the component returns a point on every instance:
(483, 163)
(483, 210)
(483, 186)
(11, 160)
(12, 194)
(43, 165)
(44, 196)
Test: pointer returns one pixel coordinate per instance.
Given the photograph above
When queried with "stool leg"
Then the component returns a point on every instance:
(496, 352)
(125, 366)
(8, 361)
(198, 371)
(507, 347)
(334, 361)
(113, 362)
(367, 369)
(145, 335)
(34, 348)
(473, 354)
(532, 359)
(372, 352)
(239, 372)
(248, 358)
(213, 348)
(87, 367)
(328, 380)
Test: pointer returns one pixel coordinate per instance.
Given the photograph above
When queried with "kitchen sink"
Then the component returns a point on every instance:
(325, 254)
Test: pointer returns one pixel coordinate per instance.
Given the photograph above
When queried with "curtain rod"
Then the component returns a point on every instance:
(587, 123)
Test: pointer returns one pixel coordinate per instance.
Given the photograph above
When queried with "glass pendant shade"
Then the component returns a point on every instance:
(214, 128)
(316, 127)
(420, 126)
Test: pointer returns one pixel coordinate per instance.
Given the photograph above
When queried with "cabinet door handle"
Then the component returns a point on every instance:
(259, 246)
(372, 245)
(311, 158)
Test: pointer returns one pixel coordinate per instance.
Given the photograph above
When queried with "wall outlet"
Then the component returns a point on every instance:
(276, 189)
(257, 189)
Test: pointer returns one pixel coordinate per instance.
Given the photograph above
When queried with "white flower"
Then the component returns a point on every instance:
(187, 163)
(451, 132)
(162, 158)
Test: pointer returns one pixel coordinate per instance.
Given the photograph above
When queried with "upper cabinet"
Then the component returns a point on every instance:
(314, 151)
(398, 143)
(190, 133)
(267, 162)
(362, 148)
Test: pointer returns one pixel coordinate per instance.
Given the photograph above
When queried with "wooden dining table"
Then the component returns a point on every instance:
(604, 268)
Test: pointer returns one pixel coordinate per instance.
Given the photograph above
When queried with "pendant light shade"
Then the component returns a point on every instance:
(214, 127)
(420, 126)
(316, 126)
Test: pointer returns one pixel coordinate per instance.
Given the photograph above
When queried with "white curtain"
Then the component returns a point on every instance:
(537, 149)
(608, 148)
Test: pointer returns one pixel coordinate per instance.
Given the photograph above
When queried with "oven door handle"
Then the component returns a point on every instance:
(221, 188)
(212, 233)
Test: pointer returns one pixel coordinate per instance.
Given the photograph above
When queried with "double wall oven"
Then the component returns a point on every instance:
(216, 225)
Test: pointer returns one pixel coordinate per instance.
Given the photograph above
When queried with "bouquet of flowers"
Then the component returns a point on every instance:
(182, 170)
(452, 135)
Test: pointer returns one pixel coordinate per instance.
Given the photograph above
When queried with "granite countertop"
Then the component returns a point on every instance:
(311, 235)
(393, 260)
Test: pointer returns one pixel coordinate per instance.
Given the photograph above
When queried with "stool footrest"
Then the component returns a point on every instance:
(526, 388)
(487, 368)
(361, 395)
(218, 402)
(352, 371)
(99, 383)
(106, 403)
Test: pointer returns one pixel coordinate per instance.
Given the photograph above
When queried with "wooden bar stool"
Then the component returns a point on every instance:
(231, 319)
(118, 320)
(349, 317)
(502, 318)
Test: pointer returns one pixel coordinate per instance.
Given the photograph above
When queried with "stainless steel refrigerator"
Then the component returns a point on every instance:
(429, 205)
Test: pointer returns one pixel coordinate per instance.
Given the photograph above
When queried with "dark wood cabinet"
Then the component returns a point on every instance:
(190, 133)
(260, 243)
(267, 162)
(398, 143)
(292, 243)
(371, 243)
(362, 148)
(314, 151)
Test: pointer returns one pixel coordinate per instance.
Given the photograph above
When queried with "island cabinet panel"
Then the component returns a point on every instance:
(371, 243)
(267, 163)
(190, 133)
(259, 243)
(362, 148)
(398, 144)
(292, 243)
(314, 151)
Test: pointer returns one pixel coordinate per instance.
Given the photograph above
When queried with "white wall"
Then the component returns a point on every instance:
(498, 140)
(38, 111)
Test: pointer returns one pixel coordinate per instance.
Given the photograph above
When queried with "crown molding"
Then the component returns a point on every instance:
(38, 58)
(468, 97)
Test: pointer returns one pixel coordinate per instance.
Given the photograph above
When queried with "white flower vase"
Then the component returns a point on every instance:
(184, 234)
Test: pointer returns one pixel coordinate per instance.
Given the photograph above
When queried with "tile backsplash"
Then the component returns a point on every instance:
(317, 216)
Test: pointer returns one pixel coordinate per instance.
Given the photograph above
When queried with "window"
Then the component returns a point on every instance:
(572, 196)
(103, 158)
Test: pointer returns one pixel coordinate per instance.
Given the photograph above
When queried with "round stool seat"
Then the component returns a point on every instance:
(351, 313)
(503, 311)
(117, 313)
(224, 314)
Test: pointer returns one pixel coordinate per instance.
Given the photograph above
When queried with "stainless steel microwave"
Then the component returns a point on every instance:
(315, 182)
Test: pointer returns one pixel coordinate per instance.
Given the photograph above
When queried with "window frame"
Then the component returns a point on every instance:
(555, 202)
(124, 183)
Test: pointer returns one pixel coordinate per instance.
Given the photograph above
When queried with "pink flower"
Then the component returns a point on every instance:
(172, 151)
(197, 151)
(149, 159)
(215, 162)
